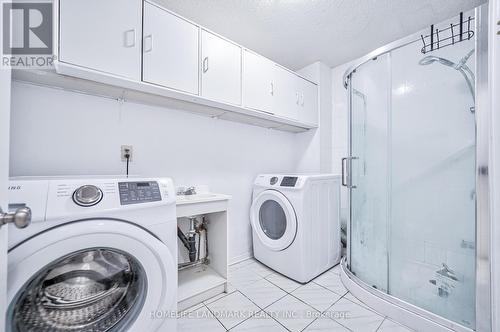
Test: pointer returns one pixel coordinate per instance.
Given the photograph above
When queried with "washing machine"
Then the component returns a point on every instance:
(99, 255)
(296, 223)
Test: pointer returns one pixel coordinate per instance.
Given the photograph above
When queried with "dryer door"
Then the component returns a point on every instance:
(97, 275)
(273, 220)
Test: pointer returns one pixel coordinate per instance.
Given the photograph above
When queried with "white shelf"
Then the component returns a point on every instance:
(196, 281)
(86, 81)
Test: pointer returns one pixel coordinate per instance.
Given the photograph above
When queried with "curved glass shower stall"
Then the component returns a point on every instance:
(412, 177)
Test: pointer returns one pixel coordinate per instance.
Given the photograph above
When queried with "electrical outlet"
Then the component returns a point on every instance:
(127, 149)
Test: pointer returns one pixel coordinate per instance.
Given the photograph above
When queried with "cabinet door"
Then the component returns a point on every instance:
(286, 103)
(221, 69)
(170, 46)
(258, 82)
(308, 102)
(102, 35)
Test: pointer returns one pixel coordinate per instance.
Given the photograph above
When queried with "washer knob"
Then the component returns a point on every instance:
(273, 181)
(87, 195)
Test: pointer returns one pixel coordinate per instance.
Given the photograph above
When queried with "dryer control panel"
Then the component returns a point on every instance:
(139, 192)
(289, 181)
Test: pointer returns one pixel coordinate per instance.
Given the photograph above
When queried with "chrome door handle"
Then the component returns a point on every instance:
(205, 64)
(21, 218)
(127, 42)
(150, 48)
(343, 172)
(345, 163)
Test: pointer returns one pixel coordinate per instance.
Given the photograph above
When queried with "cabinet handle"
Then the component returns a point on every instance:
(297, 98)
(272, 88)
(302, 99)
(150, 48)
(129, 42)
(205, 64)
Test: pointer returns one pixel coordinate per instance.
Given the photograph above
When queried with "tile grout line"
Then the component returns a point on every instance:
(263, 310)
(283, 288)
(286, 294)
(215, 317)
(378, 328)
(364, 306)
(250, 315)
(383, 320)
(309, 324)
(328, 289)
(335, 319)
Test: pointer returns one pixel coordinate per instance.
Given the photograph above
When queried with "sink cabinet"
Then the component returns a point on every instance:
(202, 282)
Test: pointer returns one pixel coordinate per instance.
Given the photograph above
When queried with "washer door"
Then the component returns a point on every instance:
(97, 275)
(273, 220)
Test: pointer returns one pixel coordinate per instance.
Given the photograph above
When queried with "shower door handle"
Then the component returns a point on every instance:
(347, 163)
(343, 171)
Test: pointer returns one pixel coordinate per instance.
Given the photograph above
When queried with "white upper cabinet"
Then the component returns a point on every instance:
(154, 55)
(258, 82)
(170, 47)
(220, 69)
(273, 89)
(103, 35)
(287, 96)
(308, 102)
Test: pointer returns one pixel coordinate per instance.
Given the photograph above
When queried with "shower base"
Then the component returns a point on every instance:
(399, 311)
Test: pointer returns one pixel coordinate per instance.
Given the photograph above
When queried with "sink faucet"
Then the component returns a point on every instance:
(187, 192)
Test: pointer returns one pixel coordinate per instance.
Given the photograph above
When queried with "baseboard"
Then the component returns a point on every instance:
(240, 258)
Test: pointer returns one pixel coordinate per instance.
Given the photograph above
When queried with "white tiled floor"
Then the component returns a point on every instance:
(261, 300)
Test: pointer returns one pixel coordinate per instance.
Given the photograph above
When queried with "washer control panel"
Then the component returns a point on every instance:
(138, 192)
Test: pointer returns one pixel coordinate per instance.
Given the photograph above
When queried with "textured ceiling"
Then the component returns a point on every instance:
(296, 33)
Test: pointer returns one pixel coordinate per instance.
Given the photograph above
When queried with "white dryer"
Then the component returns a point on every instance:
(100, 255)
(296, 223)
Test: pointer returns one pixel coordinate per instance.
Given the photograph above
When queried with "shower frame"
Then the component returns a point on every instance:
(483, 212)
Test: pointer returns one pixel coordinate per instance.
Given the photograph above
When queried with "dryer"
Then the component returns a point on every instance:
(296, 223)
(100, 255)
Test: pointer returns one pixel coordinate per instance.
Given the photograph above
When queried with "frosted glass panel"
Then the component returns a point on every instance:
(432, 242)
(413, 202)
(369, 169)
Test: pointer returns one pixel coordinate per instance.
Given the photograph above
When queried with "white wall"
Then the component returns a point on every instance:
(56, 132)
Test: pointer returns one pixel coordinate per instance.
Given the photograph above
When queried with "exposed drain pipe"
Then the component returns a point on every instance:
(189, 241)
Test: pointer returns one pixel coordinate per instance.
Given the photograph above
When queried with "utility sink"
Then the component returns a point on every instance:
(199, 198)
(195, 196)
